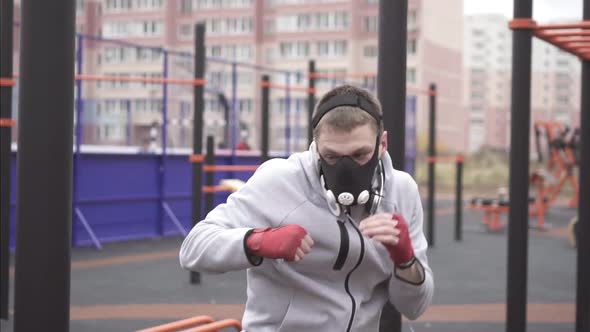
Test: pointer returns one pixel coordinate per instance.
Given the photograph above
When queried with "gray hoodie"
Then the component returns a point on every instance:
(316, 293)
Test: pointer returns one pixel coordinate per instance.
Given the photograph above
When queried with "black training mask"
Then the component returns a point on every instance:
(349, 182)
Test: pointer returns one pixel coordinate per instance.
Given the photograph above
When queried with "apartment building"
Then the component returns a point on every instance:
(341, 35)
(555, 82)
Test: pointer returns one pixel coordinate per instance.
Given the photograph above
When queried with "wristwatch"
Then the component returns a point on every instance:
(407, 264)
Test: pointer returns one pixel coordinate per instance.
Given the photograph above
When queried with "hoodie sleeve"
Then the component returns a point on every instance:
(217, 243)
(412, 299)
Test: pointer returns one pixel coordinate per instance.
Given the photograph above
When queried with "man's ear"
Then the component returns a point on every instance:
(383, 144)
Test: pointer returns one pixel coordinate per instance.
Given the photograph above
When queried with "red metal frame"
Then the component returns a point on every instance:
(560, 166)
(573, 38)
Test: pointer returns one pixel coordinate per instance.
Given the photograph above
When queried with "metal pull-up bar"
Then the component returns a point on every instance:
(573, 38)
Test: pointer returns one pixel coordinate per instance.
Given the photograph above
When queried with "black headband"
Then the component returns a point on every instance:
(347, 99)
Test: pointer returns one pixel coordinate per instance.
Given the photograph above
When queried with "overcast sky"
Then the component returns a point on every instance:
(543, 10)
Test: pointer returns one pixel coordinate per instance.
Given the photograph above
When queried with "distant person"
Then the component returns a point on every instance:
(242, 145)
(328, 236)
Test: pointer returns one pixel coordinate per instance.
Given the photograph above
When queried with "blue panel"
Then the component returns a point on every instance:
(119, 197)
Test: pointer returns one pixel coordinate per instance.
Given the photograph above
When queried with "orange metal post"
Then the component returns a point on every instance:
(575, 196)
(181, 324)
(216, 326)
(540, 203)
(487, 217)
(495, 219)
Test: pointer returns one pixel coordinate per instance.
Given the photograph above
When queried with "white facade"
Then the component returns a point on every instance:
(555, 81)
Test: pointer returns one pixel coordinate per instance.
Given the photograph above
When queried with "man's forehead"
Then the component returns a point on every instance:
(345, 145)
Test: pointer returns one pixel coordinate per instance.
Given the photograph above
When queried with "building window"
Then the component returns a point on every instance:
(234, 25)
(80, 4)
(270, 55)
(287, 23)
(477, 71)
(306, 22)
(269, 27)
(323, 21)
(411, 75)
(132, 5)
(562, 63)
(476, 95)
(185, 6)
(477, 58)
(412, 46)
(477, 32)
(412, 20)
(323, 48)
(370, 24)
(340, 47)
(297, 49)
(185, 31)
(148, 28)
(221, 4)
(563, 100)
(370, 51)
(340, 20)
(245, 105)
(213, 51)
(336, 48)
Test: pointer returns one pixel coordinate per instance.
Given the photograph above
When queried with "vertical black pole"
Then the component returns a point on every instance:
(391, 86)
(265, 118)
(6, 18)
(199, 106)
(44, 166)
(459, 200)
(519, 168)
(431, 164)
(209, 176)
(310, 99)
(392, 75)
(583, 287)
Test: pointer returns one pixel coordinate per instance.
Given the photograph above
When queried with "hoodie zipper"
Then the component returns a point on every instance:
(344, 246)
(346, 281)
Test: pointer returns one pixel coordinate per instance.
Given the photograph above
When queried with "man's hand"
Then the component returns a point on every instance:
(392, 232)
(289, 242)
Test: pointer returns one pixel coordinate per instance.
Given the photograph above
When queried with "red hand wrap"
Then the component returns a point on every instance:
(402, 252)
(279, 242)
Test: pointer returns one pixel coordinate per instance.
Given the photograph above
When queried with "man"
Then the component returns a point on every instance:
(329, 235)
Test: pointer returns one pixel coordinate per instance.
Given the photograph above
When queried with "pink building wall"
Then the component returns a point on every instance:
(437, 32)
